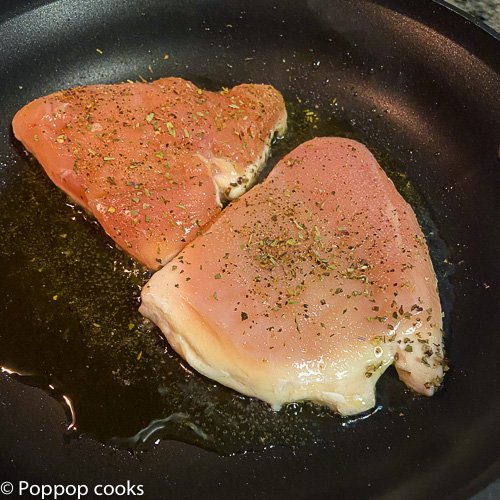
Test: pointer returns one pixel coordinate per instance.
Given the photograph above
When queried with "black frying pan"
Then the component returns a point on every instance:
(417, 83)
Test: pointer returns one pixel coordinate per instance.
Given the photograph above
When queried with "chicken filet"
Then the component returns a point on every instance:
(152, 161)
(308, 287)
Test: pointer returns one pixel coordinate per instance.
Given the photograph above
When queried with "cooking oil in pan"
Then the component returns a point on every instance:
(71, 326)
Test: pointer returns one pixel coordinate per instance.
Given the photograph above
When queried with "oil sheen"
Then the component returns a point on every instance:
(70, 326)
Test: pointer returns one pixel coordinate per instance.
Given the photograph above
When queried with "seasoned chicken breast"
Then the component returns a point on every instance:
(308, 287)
(152, 161)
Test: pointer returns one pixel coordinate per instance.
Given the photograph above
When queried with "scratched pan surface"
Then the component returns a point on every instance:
(415, 81)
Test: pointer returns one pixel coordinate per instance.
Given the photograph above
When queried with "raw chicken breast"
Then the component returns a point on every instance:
(152, 161)
(308, 287)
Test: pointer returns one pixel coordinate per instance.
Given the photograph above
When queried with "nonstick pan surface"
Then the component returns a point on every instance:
(411, 79)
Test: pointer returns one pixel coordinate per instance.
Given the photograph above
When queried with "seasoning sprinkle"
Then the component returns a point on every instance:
(171, 129)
